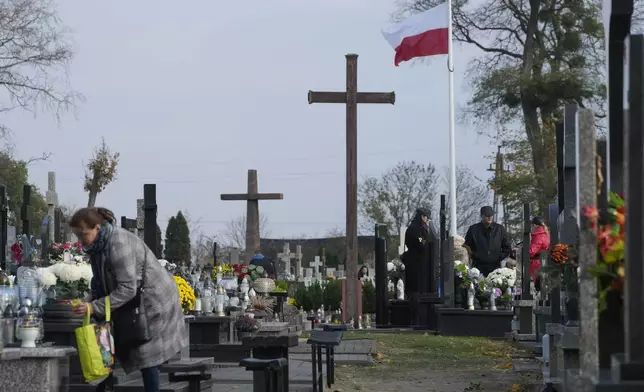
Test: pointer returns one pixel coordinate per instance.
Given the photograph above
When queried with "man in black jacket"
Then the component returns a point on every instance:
(487, 242)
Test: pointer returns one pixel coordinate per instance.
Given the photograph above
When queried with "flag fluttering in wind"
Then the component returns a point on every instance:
(429, 33)
(420, 35)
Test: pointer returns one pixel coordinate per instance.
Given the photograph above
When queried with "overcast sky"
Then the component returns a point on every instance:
(194, 94)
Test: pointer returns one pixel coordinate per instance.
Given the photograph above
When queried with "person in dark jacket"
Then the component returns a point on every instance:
(260, 261)
(417, 253)
(487, 242)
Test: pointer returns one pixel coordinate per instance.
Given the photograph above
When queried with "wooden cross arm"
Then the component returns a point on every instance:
(341, 97)
(246, 196)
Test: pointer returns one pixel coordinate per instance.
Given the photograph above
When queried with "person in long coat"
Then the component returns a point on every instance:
(416, 241)
(118, 259)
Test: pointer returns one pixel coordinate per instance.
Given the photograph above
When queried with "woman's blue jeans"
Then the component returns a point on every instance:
(151, 377)
(151, 382)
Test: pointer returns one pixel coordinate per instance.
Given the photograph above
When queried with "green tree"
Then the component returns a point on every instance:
(159, 242)
(171, 239)
(177, 239)
(100, 172)
(14, 174)
(536, 56)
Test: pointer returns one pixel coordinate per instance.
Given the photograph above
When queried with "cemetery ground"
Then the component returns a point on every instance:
(421, 362)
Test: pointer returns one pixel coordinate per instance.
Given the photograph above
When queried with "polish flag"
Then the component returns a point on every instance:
(420, 35)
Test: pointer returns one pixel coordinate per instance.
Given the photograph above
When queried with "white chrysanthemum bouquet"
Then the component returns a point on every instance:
(502, 279)
(70, 275)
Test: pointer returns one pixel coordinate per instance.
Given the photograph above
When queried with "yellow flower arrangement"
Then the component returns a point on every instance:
(291, 301)
(186, 294)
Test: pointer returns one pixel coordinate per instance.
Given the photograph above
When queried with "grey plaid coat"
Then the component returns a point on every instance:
(126, 256)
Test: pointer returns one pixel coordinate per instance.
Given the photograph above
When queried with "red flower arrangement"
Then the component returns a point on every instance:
(57, 249)
(16, 253)
(610, 243)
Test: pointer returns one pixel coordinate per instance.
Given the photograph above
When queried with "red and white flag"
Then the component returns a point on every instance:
(420, 35)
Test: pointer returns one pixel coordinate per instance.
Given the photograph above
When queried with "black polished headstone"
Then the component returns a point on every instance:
(150, 218)
(380, 253)
(619, 28)
(4, 208)
(630, 366)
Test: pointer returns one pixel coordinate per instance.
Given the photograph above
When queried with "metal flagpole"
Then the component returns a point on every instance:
(452, 136)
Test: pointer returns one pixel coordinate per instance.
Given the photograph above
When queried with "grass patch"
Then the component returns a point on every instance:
(422, 350)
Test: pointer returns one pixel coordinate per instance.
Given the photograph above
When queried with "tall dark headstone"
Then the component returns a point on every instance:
(559, 141)
(380, 252)
(629, 367)
(619, 28)
(26, 211)
(4, 209)
(442, 235)
(527, 305)
(214, 253)
(59, 218)
(150, 218)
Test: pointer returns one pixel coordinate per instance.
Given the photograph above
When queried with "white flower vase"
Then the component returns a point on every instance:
(470, 297)
(492, 300)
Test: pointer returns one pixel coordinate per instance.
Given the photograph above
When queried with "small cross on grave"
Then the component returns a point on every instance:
(316, 264)
(298, 262)
(252, 198)
(285, 258)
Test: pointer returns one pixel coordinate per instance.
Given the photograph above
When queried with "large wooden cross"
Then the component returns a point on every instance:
(351, 98)
(252, 198)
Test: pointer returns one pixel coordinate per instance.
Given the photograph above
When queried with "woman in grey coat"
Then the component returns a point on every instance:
(120, 261)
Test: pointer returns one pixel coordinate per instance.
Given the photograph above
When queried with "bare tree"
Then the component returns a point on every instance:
(235, 232)
(202, 248)
(394, 198)
(100, 172)
(34, 55)
(472, 193)
(335, 232)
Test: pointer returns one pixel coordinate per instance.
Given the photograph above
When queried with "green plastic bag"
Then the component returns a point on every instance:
(96, 346)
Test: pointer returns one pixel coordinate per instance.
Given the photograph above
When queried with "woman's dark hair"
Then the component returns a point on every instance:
(91, 216)
(538, 221)
(363, 271)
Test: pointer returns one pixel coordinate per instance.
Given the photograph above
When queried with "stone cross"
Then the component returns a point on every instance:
(52, 203)
(252, 198)
(285, 257)
(140, 217)
(316, 264)
(298, 261)
(402, 247)
(351, 98)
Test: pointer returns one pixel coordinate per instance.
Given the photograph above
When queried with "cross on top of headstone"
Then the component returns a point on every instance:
(286, 253)
(316, 264)
(252, 198)
(298, 252)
